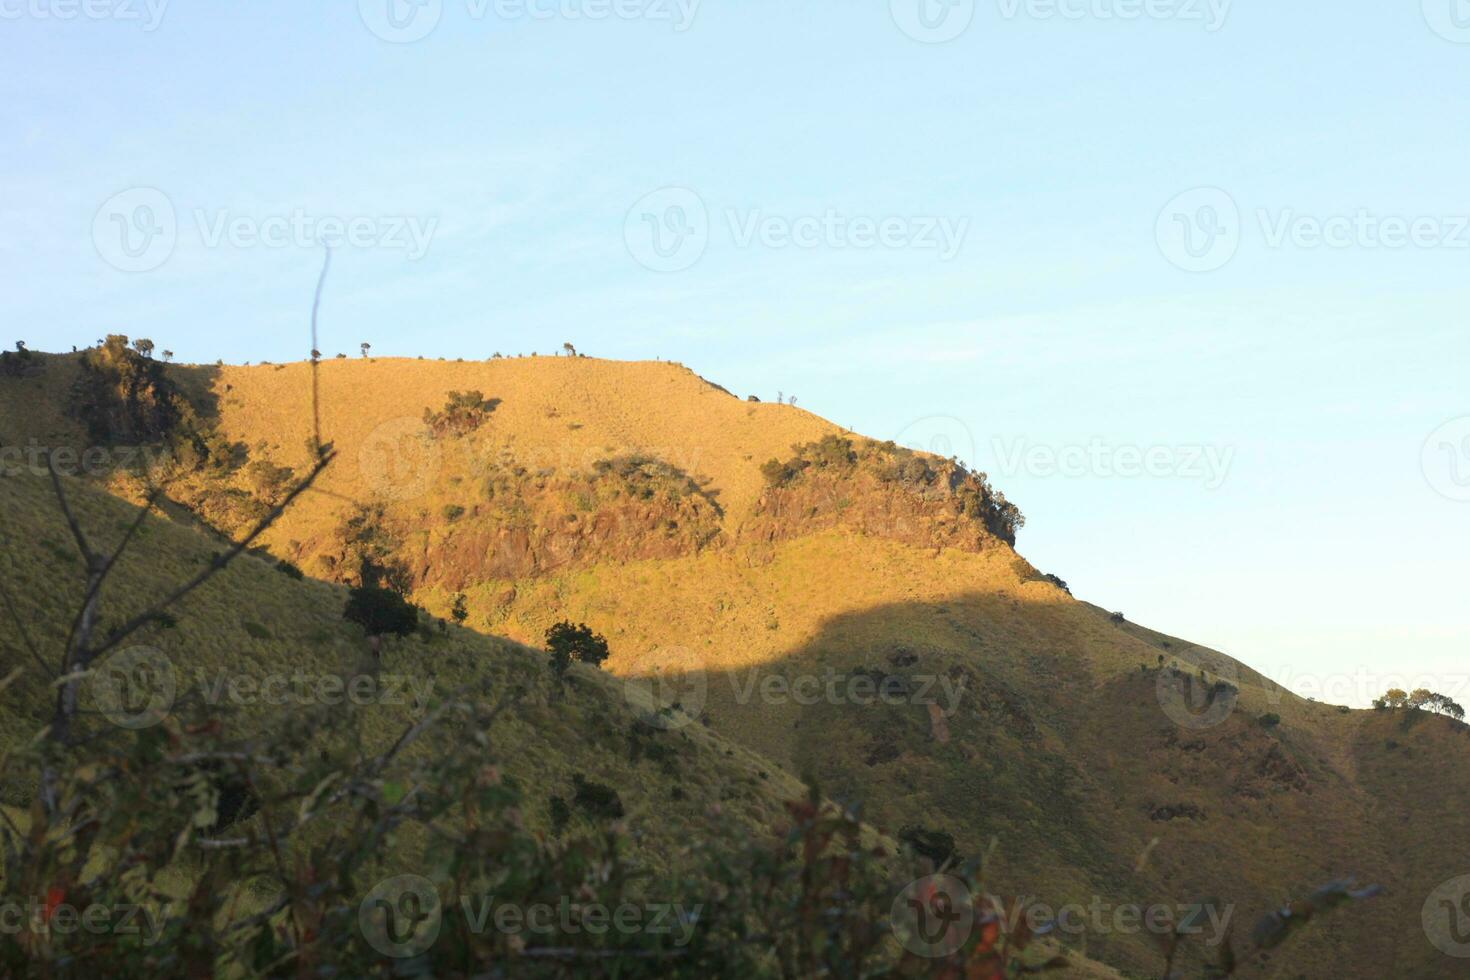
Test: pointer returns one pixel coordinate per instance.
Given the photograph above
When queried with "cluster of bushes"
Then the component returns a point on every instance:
(892, 464)
(124, 397)
(1420, 699)
(645, 477)
(463, 413)
(19, 363)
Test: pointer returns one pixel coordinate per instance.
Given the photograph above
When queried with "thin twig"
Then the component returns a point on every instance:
(215, 567)
(71, 520)
(96, 584)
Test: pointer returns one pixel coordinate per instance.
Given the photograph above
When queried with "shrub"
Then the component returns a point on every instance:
(452, 512)
(567, 643)
(1269, 720)
(289, 570)
(463, 413)
(380, 612)
(269, 481)
(1054, 580)
(596, 799)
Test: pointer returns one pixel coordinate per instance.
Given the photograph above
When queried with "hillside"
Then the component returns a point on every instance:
(1090, 759)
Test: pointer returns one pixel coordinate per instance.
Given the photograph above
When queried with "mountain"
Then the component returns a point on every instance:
(834, 607)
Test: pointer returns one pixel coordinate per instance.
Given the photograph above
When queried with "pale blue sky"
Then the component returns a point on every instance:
(1054, 148)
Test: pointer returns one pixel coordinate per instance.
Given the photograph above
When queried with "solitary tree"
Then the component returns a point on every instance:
(571, 351)
(568, 642)
(143, 346)
(365, 348)
(380, 612)
(20, 345)
(168, 356)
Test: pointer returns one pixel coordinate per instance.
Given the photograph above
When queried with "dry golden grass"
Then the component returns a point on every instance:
(1059, 755)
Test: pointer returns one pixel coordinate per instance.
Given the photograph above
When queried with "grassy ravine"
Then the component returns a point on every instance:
(1060, 762)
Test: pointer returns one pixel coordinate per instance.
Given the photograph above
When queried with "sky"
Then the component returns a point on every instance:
(1186, 278)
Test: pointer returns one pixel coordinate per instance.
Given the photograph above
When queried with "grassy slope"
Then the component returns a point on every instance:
(1060, 756)
(298, 628)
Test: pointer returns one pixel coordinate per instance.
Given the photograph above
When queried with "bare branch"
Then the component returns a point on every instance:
(95, 586)
(71, 521)
(215, 567)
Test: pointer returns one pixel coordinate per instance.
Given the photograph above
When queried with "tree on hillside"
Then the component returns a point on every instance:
(1395, 698)
(567, 642)
(380, 612)
(20, 345)
(143, 346)
(168, 356)
(365, 348)
(571, 351)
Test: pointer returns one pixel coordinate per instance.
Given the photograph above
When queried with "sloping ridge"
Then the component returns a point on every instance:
(1092, 760)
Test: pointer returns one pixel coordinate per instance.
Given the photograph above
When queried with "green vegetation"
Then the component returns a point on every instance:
(380, 612)
(966, 493)
(568, 643)
(463, 413)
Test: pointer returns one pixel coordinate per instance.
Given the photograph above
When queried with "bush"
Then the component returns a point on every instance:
(1269, 720)
(596, 799)
(567, 643)
(380, 612)
(452, 512)
(463, 413)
